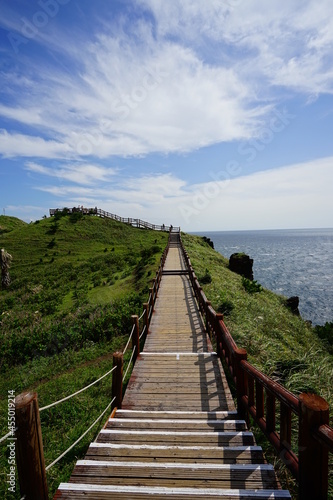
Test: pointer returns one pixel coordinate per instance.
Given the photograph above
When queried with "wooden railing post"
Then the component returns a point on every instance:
(117, 380)
(208, 303)
(29, 448)
(151, 293)
(313, 457)
(136, 337)
(241, 381)
(146, 308)
(219, 348)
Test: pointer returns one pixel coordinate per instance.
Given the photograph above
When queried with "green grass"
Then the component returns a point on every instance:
(278, 343)
(8, 224)
(75, 285)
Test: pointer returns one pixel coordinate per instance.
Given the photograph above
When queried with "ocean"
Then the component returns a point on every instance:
(288, 262)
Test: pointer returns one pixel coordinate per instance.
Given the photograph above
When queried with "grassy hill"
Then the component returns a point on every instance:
(8, 224)
(76, 281)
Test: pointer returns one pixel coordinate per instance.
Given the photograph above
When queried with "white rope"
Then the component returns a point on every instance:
(142, 315)
(129, 339)
(129, 363)
(78, 440)
(78, 392)
(6, 436)
(143, 331)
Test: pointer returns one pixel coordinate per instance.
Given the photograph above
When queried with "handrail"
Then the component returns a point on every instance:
(125, 220)
(256, 397)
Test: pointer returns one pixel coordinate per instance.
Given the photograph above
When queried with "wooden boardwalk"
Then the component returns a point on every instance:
(177, 435)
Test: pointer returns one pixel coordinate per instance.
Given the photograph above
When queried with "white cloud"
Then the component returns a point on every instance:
(287, 44)
(16, 145)
(131, 95)
(134, 91)
(293, 196)
(289, 197)
(81, 173)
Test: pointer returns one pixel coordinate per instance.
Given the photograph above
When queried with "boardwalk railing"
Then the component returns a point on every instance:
(108, 215)
(257, 396)
(28, 432)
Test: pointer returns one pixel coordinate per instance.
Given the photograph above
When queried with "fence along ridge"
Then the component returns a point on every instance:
(125, 220)
(33, 482)
(256, 392)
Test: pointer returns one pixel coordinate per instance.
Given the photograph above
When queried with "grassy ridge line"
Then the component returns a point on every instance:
(75, 283)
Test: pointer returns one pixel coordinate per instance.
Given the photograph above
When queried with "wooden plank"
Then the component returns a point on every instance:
(172, 424)
(91, 492)
(193, 454)
(179, 438)
(251, 476)
(175, 414)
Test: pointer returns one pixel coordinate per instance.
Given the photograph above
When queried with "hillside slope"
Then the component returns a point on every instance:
(8, 224)
(65, 270)
(76, 281)
(279, 343)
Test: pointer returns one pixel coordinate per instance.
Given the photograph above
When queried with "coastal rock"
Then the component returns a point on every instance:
(241, 263)
(292, 303)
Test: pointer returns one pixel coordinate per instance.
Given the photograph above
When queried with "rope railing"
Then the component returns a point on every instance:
(129, 363)
(76, 393)
(143, 332)
(129, 339)
(37, 476)
(80, 438)
(6, 436)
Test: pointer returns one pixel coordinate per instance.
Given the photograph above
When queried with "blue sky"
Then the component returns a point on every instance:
(213, 115)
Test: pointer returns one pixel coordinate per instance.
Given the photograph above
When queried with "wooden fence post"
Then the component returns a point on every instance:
(151, 292)
(146, 308)
(313, 457)
(208, 303)
(29, 448)
(241, 381)
(218, 336)
(136, 337)
(117, 380)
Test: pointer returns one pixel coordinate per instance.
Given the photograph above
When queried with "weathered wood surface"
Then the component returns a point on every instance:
(177, 435)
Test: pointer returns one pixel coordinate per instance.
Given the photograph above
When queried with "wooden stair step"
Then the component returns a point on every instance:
(158, 453)
(206, 415)
(175, 424)
(185, 438)
(237, 476)
(73, 491)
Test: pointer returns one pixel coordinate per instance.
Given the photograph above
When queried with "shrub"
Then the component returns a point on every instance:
(251, 286)
(75, 217)
(225, 307)
(325, 333)
(206, 278)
